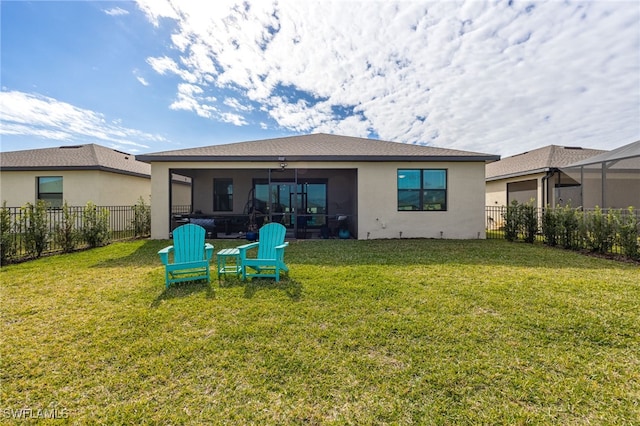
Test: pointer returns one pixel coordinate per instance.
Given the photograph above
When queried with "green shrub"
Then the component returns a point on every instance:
(600, 230)
(141, 219)
(573, 229)
(520, 219)
(7, 235)
(529, 221)
(66, 235)
(550, 226)
(35, 226)
(569, 227)
(512, 221)
(95, 225)
(628, 234)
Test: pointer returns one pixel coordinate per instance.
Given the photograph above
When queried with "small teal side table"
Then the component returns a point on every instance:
(224, 266)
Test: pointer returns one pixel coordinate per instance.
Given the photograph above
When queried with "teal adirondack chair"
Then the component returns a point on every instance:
(191, 255)
(269, 260)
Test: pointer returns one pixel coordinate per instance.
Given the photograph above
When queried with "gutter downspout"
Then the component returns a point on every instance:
(545, 186)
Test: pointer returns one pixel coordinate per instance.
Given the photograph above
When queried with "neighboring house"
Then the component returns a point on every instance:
(376, 189)
(536, 175)
(610, 179)
(75, 174)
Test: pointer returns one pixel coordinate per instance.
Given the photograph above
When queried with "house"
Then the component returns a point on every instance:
(318, 183)
(608, 180)
(536, 175)
(78, 174)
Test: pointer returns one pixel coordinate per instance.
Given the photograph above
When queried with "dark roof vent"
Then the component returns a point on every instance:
(71, 147)
(572, 147)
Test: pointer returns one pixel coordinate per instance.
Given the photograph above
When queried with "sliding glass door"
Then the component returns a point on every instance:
(293, 204)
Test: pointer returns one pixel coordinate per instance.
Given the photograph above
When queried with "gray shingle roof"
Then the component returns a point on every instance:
(537, 161)
(317, 147)
(76, 157)
(631, 150)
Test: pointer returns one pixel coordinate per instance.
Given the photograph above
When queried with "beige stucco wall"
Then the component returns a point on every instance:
(78, 187)
(376, 202)
(160, 207)
(496, 191)
(378, 215)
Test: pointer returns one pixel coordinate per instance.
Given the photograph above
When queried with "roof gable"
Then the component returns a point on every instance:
(538, 161)
(75, 157)
(316, 147)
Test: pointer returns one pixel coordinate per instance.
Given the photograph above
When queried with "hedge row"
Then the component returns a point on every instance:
(30, 230)
(597, 230)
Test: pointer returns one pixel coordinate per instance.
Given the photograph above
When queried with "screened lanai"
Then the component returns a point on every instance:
(608, 180)
(307, 201)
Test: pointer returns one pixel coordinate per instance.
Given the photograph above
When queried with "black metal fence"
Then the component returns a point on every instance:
(612, 231)
(123, 222)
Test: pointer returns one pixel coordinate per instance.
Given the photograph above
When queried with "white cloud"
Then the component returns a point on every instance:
(166, 65)
(116, 11)
(156, 9)
(28, 114)
(193, 98)
(189, 99)
(235, 119)
(140, 79)
(237, 105)
(469, 75)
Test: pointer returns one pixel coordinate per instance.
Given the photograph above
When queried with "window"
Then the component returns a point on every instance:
(50, 190)
(223, 195)
(422, 189)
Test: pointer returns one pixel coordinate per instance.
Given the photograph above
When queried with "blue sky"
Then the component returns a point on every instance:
(498, 77)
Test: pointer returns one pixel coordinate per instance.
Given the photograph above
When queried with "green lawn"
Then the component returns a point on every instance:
(360, 332)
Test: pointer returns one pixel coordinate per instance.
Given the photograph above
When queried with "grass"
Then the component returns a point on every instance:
(360, 332)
